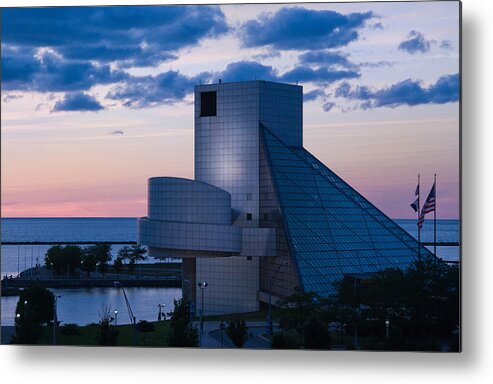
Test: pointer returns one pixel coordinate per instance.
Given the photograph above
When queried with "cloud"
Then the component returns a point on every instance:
(132, 36)
(43, 70)
(8, 97)
(248, 70)
(301, 29)
(328, 106)
(408, 92)
(446, 44)
(149, 91)
(319, 75)
(416, 43)
(326, 58)
(313, 95)
(376, 26)
(77, 102)
(172, 86)
(116, 132)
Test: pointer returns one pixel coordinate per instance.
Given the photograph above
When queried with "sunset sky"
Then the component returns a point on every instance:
(96, 100)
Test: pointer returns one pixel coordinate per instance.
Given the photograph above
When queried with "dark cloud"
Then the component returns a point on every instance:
(45, 71)
(376, 26)
(321, 75)
(77, 102)
(134, 36)
(313, 95)
(328, 106)
(248, 70)
(446, 44)
(148, 91)
(416, 43)
(408, 92)
(326, 58)
(300, 29)
(172, 86)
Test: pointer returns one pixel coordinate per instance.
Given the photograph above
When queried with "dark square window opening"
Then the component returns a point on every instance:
(208, 104)
(249, 216)
(249, 257)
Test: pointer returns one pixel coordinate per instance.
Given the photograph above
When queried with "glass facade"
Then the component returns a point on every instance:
(331, 230)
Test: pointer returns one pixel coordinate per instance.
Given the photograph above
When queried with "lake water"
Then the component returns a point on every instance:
(81, 306)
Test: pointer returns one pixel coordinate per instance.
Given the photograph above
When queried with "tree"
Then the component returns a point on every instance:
(88, 262)
(297, 309)
(237, 331)
(34, 309)
(100, 254)
(420, 303)
(108, 334)
(118, 265)
(63, 259)
(133, 254)
(316, 335)
(182, 333)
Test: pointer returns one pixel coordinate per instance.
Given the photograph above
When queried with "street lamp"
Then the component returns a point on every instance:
(55, 318)
(117, 284)
(387, 328)
(25, 309)
(160, 306)
(116, 317)
(202, 285)
(270, 295)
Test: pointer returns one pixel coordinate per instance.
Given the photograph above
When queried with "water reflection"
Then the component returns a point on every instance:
(83, 305)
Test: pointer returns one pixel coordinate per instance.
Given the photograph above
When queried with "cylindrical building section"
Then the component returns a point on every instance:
(183, 200)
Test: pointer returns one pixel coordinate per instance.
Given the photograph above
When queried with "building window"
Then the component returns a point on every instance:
(208, 104)
(249, 216)
(266, 216)
(249, 196)
(249, 257)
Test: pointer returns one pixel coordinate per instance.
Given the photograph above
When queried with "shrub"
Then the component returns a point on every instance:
(284, 341)
(145, 326)
(316, 335)
(237, 332)
(70, 330)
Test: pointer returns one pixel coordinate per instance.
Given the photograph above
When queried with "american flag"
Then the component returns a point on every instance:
(429, 205)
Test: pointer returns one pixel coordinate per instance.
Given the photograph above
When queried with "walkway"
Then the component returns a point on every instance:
(211, 337)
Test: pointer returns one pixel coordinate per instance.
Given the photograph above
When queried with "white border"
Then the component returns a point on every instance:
(127, 365)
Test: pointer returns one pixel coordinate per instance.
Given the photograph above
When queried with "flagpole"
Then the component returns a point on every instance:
(419, 228)
(435, 221)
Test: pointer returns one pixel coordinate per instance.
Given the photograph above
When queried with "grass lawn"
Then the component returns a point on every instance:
(88, 336)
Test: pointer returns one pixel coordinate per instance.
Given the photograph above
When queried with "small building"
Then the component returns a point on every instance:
(263, 215)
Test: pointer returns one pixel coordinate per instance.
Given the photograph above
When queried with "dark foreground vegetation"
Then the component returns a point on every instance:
(417, 309)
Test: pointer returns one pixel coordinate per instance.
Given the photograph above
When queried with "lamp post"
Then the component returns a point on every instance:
(202, 285)
(160, 306)
(387, 328)
(270, 296)
(116, 317)
(25, 309)
(117, 284)
(55, 318)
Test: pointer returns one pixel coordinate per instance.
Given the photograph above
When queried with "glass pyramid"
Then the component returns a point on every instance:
(332, 230)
